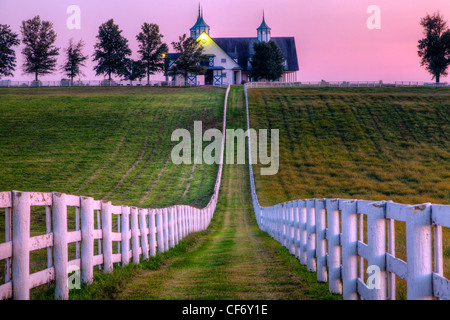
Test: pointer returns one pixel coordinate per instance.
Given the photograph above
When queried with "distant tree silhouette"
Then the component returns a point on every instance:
(39, 52)
(111, 50)
(8, 39)
(191, 54)
(151, 49)
(434, 49)
(267, 62)
(134, 70)
(74, 59)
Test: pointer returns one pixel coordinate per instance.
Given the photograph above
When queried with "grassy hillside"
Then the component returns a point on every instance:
(108, 143)
(371, 144)
(377, 144)
(232, 259)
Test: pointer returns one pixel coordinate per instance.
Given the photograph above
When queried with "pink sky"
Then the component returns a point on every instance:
(333, 41)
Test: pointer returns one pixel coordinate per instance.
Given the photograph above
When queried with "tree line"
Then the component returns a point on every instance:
(111, 52)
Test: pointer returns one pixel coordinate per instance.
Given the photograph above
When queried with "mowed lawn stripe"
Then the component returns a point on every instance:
(233, 259)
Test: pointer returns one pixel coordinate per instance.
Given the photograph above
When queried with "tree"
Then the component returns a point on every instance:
(151, 49)
(111, 50)
(8, 39)
(39, 52)
(134, 69)
(434, 49)
(74, 59)
(267, 62)
(191, 54)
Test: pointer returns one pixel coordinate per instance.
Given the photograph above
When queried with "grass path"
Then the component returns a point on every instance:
(233, 259)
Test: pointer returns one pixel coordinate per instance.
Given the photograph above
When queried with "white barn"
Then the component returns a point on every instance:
(229, 59)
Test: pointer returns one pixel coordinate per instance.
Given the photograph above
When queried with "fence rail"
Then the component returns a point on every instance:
(141, 232)
(327, 236)
(182, 83)
(97, 83)
(343, 84)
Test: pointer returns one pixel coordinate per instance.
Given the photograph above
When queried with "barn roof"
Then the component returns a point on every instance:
(243, 47)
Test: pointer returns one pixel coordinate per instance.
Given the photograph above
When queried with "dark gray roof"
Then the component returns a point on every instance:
(244, 49)
(233, 55)
(200, 21)
(172, 58)
(200, 24)
(263, 25)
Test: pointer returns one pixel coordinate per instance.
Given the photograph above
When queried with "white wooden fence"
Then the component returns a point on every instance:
(148, 230)
(343, 84)
(327, 235)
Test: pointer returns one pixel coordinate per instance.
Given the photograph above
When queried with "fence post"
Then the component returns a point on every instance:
(303, 231)
(391, 250)
(284, 225)
(189, 220)
(8, 237)
(194, 220)
(311, 236)
(197, 219)
(60, 245)
(166, 228)
(107, 237)
(125, 235)
(279, 237)
(419, 252)
(135, 234)
(376, 241)
(20, 245)
(87, 239)
(276, 215)
(159, 226)
(201, 213)
(269, 223)
(176, 225)
(182, 225)
(292, 228)
(349, 246)
(152, 226)
(171, 227)
(321, 244)
(334, 249)
(144, 232)
(297, 229)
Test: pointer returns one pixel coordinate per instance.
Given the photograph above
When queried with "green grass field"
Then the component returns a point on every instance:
(232, 259)
(114, 144)
(364, 143)
(377, 144)
(108, 143)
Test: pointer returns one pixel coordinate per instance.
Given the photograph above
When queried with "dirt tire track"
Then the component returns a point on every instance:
(166, 164)
(139, 158)
(191, 177)
(114, 154)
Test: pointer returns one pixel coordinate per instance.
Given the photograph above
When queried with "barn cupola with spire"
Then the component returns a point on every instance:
(200, 26)
(228, 60)
(263, 31)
